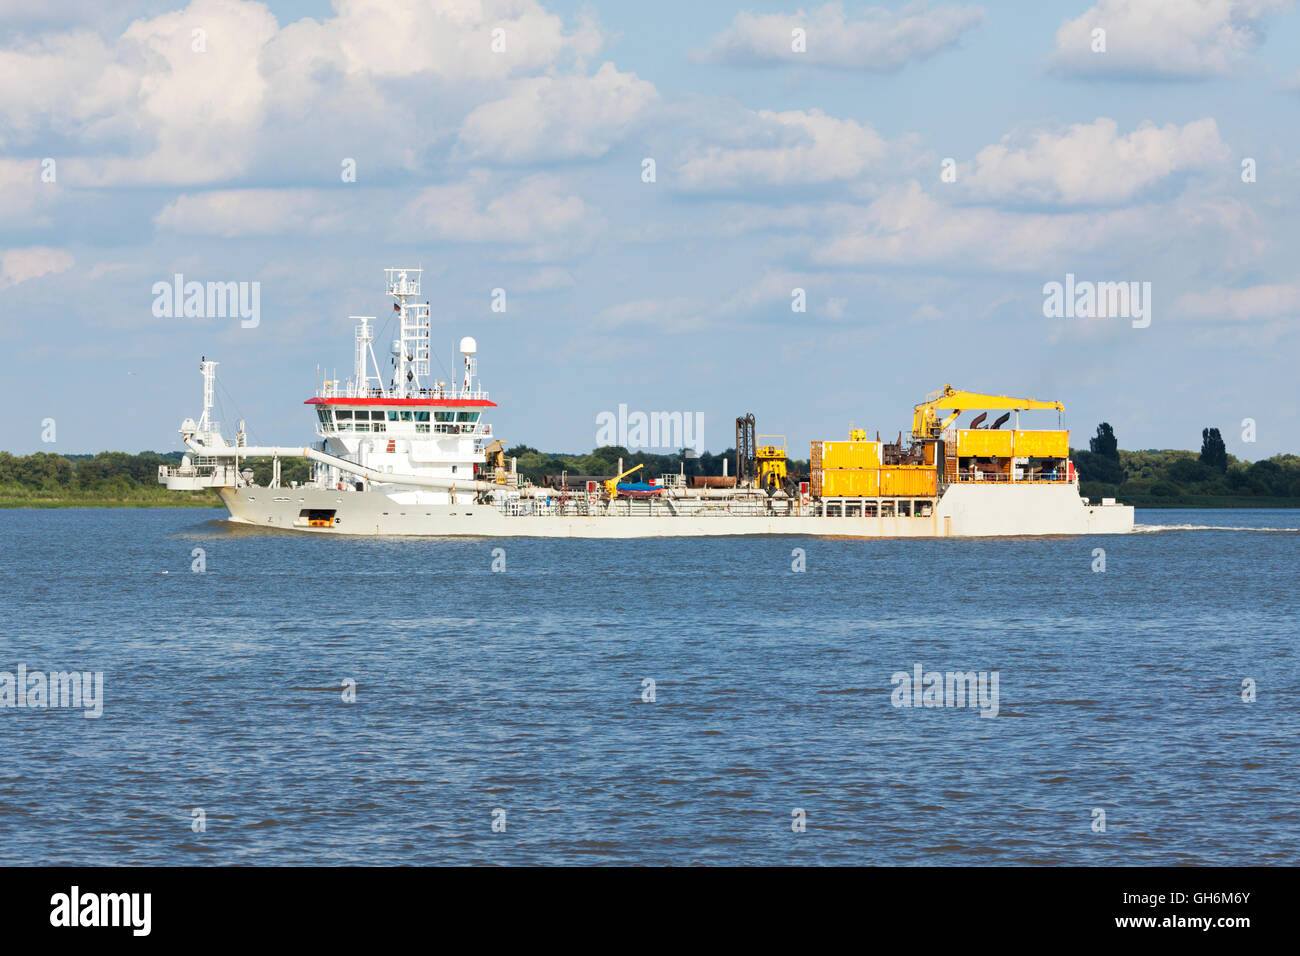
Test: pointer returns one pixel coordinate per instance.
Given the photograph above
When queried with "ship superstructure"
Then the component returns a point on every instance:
(415, 456)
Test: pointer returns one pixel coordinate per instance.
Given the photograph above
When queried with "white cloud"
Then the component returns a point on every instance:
(765, 297)
(1251, 317)
(480, 210)
(24, 196)
(790, 148)
(379, 74)
(882, 40)
(1246, 304)
(564, 117)
(19, 265)
(1091, 162)
(231, 213)
(450, 38)
(546, 279)
(66, 77)
(24, 13)
(197, 109)
(672, 315)
(1169, 39)
(906, 226)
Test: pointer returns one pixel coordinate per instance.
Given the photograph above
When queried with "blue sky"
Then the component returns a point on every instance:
(776, 170)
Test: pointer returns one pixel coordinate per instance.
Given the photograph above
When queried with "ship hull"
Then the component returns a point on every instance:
(962, 511)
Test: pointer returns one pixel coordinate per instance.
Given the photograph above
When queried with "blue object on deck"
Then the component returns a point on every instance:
(637, 486)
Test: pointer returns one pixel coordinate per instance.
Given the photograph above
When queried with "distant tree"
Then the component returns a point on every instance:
(1188, 471)
(1214, 454)
(1269, 477)
(1105, 443)
(1098, 468)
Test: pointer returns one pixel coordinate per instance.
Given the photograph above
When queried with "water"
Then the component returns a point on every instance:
(522, 691)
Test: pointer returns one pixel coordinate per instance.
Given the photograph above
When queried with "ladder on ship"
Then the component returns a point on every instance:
(950, 457)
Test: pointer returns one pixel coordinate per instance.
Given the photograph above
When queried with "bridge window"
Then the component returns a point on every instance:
(468, 416)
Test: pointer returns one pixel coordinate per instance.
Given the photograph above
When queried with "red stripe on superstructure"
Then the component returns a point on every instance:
(444, 402)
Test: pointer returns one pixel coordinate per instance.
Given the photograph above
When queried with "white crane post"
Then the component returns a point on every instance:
(209, 370)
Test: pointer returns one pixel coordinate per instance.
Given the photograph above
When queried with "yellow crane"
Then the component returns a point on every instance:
(611, 486)
(925, 421)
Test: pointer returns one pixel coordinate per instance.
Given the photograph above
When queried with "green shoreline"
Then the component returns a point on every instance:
(1212, 501)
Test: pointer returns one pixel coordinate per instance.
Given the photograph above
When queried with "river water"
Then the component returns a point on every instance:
(770, 734)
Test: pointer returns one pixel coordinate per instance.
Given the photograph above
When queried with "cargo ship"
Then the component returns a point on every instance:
(415, 456)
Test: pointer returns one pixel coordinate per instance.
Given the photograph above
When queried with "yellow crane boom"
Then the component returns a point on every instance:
(925, 421)
(611, 485)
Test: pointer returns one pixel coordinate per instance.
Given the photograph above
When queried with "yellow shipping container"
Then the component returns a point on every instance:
(908, 481)
(1042, 444)
(984, 443)
(850, 483)
(847, 454)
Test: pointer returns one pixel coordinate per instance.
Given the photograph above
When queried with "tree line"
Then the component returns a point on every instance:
(1151, 475)
(110, 474)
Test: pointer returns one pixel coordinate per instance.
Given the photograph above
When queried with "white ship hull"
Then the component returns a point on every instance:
(974, 510)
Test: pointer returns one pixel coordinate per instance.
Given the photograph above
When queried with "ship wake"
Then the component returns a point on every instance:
(1149, 528)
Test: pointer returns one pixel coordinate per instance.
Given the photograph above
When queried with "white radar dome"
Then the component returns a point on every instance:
(468, 346)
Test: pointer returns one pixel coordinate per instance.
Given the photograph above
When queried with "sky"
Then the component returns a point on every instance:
(922, 172)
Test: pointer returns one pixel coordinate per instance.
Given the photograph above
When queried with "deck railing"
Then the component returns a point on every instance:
(993, 477)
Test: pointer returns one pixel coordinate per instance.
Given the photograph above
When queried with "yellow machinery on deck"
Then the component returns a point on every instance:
(861, 468)
(494, 462)
(771, 460)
